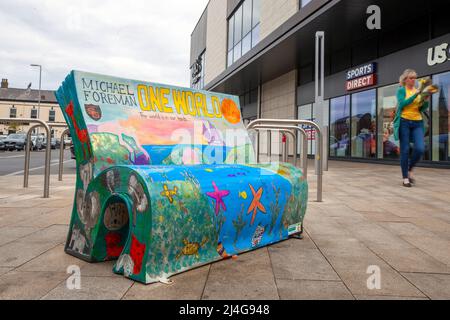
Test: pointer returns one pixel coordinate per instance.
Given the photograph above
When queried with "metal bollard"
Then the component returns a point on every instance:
(62, 148)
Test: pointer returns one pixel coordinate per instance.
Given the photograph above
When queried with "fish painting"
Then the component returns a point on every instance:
(243, 195)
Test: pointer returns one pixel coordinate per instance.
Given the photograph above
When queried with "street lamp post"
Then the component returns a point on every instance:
(39, 98)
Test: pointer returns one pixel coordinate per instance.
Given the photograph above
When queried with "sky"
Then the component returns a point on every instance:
(136, 39)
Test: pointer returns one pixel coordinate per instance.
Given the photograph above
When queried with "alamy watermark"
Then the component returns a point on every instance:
(74, 281)
(374, 280)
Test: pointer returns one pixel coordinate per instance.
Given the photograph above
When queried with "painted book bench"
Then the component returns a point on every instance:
(166, 178)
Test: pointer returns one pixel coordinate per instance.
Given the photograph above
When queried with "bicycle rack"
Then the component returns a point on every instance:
(62, 147)
(40, 123)
(304, 153)
(320, 163)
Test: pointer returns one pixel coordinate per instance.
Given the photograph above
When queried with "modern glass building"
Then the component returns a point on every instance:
(264, 51)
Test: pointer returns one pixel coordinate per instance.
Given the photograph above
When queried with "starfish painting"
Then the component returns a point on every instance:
(218, 196)
(169, 193)
(256, 203)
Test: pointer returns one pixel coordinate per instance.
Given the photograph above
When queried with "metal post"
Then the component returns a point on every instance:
(269, 146)
(48, 151)
(26, 168)
(62, 148)
(285, 148)
(320, 94)
(326, 144)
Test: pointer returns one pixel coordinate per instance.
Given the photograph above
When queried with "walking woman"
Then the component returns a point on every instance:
(409, 123)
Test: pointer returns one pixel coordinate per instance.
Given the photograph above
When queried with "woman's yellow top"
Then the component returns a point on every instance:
(411, 111)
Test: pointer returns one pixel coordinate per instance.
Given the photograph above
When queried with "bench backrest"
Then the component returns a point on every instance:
(116, 121)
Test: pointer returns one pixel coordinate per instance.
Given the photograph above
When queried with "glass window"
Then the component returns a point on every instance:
(237, 52)
(364, 124)
(441, 121)
(238, 26)
(340, 126)
(243, 30)
(256, 12)
(230, 32)
(326, 106)
(305, 113)
(246, 43)
(388, 147)
(247, 17)
(13, 112)
(230, 58)
(33, 114)
(51, 116)
(255, 36)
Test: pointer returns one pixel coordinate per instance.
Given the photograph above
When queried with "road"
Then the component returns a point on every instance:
(12, 162)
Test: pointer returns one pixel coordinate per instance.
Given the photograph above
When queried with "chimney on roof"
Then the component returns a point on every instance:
(4, 84)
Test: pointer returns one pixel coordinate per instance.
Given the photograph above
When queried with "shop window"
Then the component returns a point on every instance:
(363, 124)
(315, 118)
(340, 127)
(440, 116)
(388, 147)
(243, 30)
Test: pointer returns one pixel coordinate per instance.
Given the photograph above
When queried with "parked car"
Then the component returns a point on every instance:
(55, 143)
(2, 144)
(15, 141)
(37, 142)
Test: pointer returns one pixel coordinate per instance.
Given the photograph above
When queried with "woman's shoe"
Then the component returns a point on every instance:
(412, 181)
(407, 185)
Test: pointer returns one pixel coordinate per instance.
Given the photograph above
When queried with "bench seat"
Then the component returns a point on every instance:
(151, 210)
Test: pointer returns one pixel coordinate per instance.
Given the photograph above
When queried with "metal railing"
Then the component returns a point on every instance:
(320, 162)
(40, 123)
(292, 129)
(62, 148)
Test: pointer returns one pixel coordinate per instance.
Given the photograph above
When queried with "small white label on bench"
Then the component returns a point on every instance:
(295, 228)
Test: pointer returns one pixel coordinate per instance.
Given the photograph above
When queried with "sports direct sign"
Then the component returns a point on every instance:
(361, 77)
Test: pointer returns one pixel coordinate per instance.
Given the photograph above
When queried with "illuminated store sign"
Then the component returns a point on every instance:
(438, 54)
(361, 77)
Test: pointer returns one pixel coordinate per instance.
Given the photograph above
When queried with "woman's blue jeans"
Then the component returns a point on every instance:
(411, 132)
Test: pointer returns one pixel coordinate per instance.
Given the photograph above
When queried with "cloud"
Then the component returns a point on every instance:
(137, 39)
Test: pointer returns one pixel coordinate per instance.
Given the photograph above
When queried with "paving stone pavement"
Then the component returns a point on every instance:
(367, 222)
